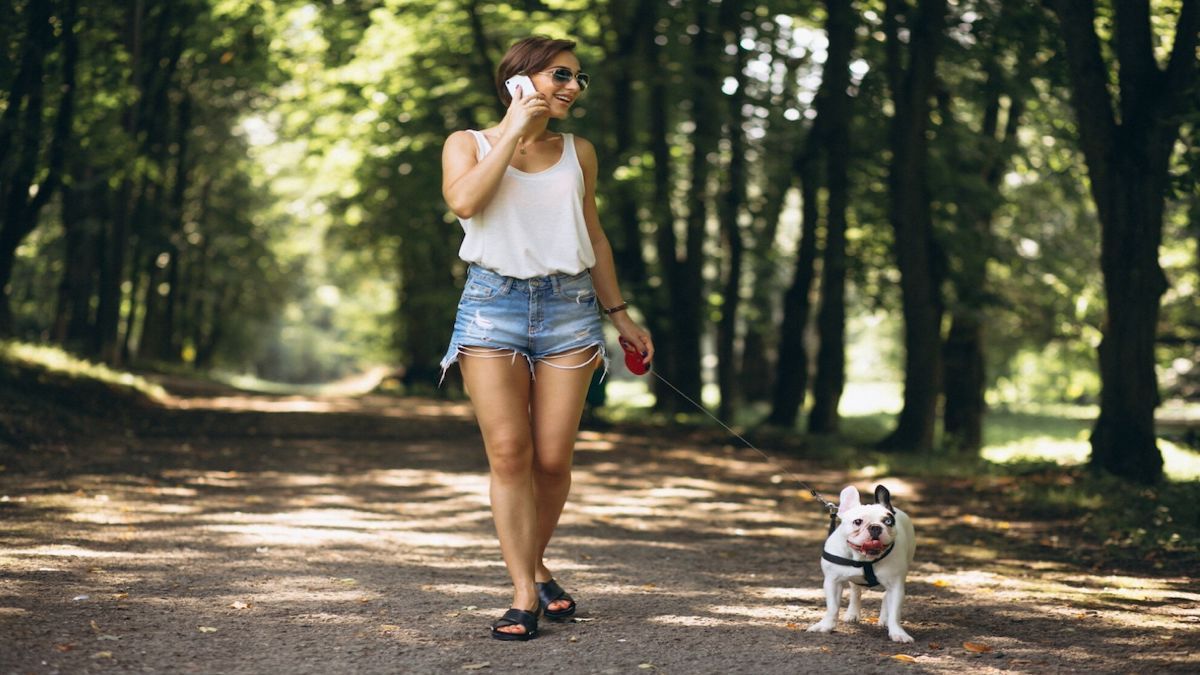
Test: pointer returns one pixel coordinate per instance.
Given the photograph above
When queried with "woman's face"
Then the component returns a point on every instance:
(561, 95)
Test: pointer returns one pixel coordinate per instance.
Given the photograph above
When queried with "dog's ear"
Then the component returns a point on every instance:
(848, 499)
(882, 496)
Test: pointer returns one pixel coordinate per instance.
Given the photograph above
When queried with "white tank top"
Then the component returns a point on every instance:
(534, 224)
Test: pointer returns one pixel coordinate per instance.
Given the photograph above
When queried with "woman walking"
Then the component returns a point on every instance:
(528, 332)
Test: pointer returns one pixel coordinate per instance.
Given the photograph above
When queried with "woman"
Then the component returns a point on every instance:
(539, 263)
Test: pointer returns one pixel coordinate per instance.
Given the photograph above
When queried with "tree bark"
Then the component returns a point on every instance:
(964, 360)
(732, 199)
(688, 301)
(758, 348)
(22, 123)
(1127, 162)
(830, 377)
(664, 324)
(918, 255)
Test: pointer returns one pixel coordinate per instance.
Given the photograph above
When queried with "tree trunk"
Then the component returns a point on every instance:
(917, 253)
(831, 317)
(757, 370)
(112, 268)
(965, 382)
(732, 198)
(22, 123)
(791, 377)
(1127, 163)
(665, 324)
(688, 301)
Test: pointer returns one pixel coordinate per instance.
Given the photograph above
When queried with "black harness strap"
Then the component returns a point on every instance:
(868, 566)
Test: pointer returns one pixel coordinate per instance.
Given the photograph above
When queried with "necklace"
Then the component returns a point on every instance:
(521, 148)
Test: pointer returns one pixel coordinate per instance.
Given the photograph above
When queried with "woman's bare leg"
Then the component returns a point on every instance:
(499, 387)
(560, 386)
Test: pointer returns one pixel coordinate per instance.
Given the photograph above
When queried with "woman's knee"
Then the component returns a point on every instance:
(510, 457)
(553, 466)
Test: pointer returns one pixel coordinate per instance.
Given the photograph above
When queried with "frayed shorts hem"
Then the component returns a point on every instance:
(458, 350)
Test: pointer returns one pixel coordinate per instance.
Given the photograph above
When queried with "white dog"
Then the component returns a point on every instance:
(873, 547)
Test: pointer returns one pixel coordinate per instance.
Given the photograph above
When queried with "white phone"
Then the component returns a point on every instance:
(527, 88)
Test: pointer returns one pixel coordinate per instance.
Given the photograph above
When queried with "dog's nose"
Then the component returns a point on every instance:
(875, 530)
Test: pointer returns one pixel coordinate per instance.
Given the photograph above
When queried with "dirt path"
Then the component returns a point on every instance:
(250, 534)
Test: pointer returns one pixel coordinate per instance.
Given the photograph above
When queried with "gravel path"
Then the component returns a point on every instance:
(252, 534)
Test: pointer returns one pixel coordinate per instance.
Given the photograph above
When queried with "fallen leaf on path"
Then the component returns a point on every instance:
(207, 629)
(573, 638)
(389, 626)
(935, 645)
(646, 666)
(348, 581)
(477, 666)
(120, 596)
(941, 583)
(905, 658)
(827, 650)
(64, 647)
(96, 626)
(238, 604)
(102, 655)
(977, 647)
(649, 586)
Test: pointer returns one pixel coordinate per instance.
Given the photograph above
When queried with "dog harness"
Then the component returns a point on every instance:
(868, 566)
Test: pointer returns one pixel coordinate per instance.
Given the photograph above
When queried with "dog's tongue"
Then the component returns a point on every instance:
(872, 547)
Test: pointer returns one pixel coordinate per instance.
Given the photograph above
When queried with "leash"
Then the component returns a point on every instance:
(633, 361)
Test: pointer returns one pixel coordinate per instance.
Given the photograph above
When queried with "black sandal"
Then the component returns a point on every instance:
(549, 592)
(516, 617)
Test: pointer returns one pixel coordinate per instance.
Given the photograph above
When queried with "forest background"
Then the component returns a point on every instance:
(948, 210)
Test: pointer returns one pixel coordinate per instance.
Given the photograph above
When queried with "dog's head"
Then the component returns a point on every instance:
(868, 528)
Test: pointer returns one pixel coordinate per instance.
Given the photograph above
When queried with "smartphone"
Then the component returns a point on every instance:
(526, 84)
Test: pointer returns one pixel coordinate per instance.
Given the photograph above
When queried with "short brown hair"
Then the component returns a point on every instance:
(526, 57)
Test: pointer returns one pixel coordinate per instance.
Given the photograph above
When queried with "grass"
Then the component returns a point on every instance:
(1056, 434)
(1032, 468)
(51, 362)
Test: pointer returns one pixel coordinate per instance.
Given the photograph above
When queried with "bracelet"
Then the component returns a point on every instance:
(619, 308)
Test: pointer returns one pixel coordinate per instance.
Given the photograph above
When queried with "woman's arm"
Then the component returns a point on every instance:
(469, 184)
(604, 273)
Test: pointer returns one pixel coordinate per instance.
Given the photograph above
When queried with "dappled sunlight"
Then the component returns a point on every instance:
(363, 536)
(384, 406)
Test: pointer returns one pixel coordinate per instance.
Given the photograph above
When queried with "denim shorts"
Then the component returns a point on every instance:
(501, 316)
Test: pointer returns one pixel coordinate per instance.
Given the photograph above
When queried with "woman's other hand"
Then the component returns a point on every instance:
(635, 335)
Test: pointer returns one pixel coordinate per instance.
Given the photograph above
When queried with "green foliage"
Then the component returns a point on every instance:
(313, 241)
(51, 362)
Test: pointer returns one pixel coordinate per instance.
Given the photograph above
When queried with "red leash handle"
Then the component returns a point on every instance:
(633, 358)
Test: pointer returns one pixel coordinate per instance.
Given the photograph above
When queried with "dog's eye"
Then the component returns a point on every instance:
(858, 522)
(889, 521)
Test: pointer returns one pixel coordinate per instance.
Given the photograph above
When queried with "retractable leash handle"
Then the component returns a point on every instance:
(633, 361)
(633, 358)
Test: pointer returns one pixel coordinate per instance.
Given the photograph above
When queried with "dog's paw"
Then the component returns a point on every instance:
(899, 635)
(851, 617)
(821, 627)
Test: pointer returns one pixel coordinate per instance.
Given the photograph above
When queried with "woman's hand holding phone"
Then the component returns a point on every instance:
(527, 104)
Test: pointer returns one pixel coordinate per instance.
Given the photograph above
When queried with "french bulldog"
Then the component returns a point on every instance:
(873, 547)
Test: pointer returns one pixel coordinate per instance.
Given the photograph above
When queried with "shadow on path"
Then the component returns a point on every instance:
(238, 533)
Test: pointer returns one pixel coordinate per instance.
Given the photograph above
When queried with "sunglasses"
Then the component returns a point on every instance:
(564, 75)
